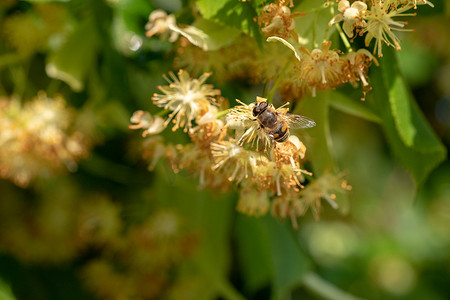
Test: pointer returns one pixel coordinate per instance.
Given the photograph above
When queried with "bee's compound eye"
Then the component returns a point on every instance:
(259, 108)
(256, 110)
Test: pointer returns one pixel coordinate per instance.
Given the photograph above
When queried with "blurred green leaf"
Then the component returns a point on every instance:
(72, 62)
(353, 107)
(5, 292)
(313, 27)
(253, 252)
(212, 217)
(410, 136)
(232, 13)
(416, 62)
(290, 263)
(319, 146)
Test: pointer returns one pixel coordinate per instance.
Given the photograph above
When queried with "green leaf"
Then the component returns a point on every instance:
(318, 143)
(207, 34)
(290, 263)
(72, 62)
(313, 27)
(209, 8)
(411, 138)
(253, 252)
(5, 292)
(353, 107)
(232, 13)
(210, 217)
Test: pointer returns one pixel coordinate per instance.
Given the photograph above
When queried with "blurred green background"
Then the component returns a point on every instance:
(110, 229)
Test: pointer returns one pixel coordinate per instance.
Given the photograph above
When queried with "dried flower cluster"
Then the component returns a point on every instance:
(38, 139)
(228, 147)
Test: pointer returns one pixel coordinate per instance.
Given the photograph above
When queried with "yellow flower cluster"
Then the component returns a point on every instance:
(38, 139)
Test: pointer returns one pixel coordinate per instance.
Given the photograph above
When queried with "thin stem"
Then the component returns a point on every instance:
(277, 82)
(163, 113)
(222, 113)
(343, 38)
(325, 289)
(341, 32)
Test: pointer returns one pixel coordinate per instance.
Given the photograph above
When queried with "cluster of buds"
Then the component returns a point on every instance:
(37, 139)
(231, 146)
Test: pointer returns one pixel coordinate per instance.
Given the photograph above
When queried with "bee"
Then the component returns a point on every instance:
(277, 124)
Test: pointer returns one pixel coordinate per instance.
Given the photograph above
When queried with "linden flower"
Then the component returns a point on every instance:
(351, 15)
(358, 64)
(419, 2)
(209, 130)
(283, 173)
(143, 120)
(154, 149)
(293, 205)
(234, 161)
(321, 68)
(324, 187)
(159, 23)
(253, 202)
(187, 98)
(248, 130)
(278, 20)
(198, 161)
(36, 139)
(381, 24)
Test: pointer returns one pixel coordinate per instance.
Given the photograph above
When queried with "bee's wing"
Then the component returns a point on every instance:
(296, 121)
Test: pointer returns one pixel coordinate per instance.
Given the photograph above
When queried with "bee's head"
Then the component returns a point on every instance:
(259, 108)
